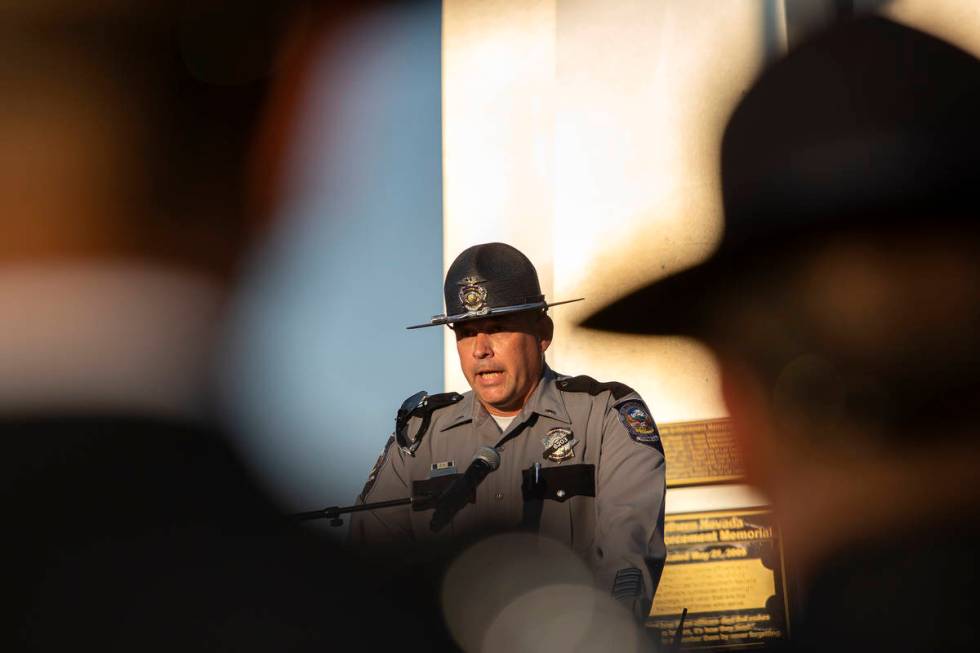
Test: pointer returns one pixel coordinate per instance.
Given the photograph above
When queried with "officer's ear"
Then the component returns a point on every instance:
(545, 331)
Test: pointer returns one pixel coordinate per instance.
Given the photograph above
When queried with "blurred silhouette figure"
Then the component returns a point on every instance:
(130, 524)
(843, 305)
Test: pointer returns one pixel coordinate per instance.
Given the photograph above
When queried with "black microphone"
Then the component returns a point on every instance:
(451, 501)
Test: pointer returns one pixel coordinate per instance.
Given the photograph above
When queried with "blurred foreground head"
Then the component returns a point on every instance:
(125, 137)
(127, 132)
(843, 301)
(127, 128)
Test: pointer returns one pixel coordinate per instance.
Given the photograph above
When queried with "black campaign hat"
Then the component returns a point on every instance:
(489, 280)
(870, 125)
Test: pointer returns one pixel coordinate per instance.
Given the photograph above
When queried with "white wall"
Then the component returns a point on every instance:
(586, 134)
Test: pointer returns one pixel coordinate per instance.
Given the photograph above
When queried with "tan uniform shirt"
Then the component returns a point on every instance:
(568, 423)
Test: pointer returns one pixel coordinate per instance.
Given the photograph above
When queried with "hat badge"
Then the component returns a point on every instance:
(472, 295)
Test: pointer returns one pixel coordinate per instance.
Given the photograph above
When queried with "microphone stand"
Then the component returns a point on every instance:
(333, 513)
(425, 495)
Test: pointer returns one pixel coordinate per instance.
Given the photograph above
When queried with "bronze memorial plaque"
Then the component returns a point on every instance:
(700, 452)
(726, 568)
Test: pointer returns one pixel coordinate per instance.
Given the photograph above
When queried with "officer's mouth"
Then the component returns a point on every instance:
(489, 377)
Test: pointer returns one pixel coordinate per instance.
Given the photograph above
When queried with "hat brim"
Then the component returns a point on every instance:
(675, 305)
(497, 311)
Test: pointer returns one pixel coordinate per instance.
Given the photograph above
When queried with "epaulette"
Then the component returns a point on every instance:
(588, 384)
(421, 404)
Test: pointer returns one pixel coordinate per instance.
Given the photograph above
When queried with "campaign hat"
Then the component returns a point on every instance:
(490, 280)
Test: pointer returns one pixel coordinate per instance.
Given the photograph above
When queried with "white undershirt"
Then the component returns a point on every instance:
(503, 421)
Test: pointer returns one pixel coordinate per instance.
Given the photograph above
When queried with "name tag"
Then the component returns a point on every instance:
(442, 469)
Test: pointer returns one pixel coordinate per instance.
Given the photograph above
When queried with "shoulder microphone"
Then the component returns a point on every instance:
(451, 501)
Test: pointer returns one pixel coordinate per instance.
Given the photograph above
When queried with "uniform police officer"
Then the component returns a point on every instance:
(580, 461)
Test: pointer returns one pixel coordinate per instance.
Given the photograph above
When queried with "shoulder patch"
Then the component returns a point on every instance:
(588, 384)
(373, 476)
(638, 422)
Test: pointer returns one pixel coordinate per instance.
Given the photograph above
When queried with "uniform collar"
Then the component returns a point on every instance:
(462, 411)
(545, 400)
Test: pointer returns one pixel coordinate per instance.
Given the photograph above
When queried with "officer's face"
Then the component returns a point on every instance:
(502, 358)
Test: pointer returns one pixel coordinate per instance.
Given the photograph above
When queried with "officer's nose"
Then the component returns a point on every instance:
(481, 346)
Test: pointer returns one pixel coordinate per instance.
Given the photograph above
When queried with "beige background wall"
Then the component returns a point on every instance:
(498, 84)
(957, 21)
(586, 134)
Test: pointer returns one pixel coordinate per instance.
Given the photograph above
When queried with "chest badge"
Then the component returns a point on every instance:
(558, 445)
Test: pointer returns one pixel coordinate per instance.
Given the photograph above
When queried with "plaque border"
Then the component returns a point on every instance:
(783, 578)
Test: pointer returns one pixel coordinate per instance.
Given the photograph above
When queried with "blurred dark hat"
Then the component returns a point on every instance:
(490, 280)
(870, 125)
